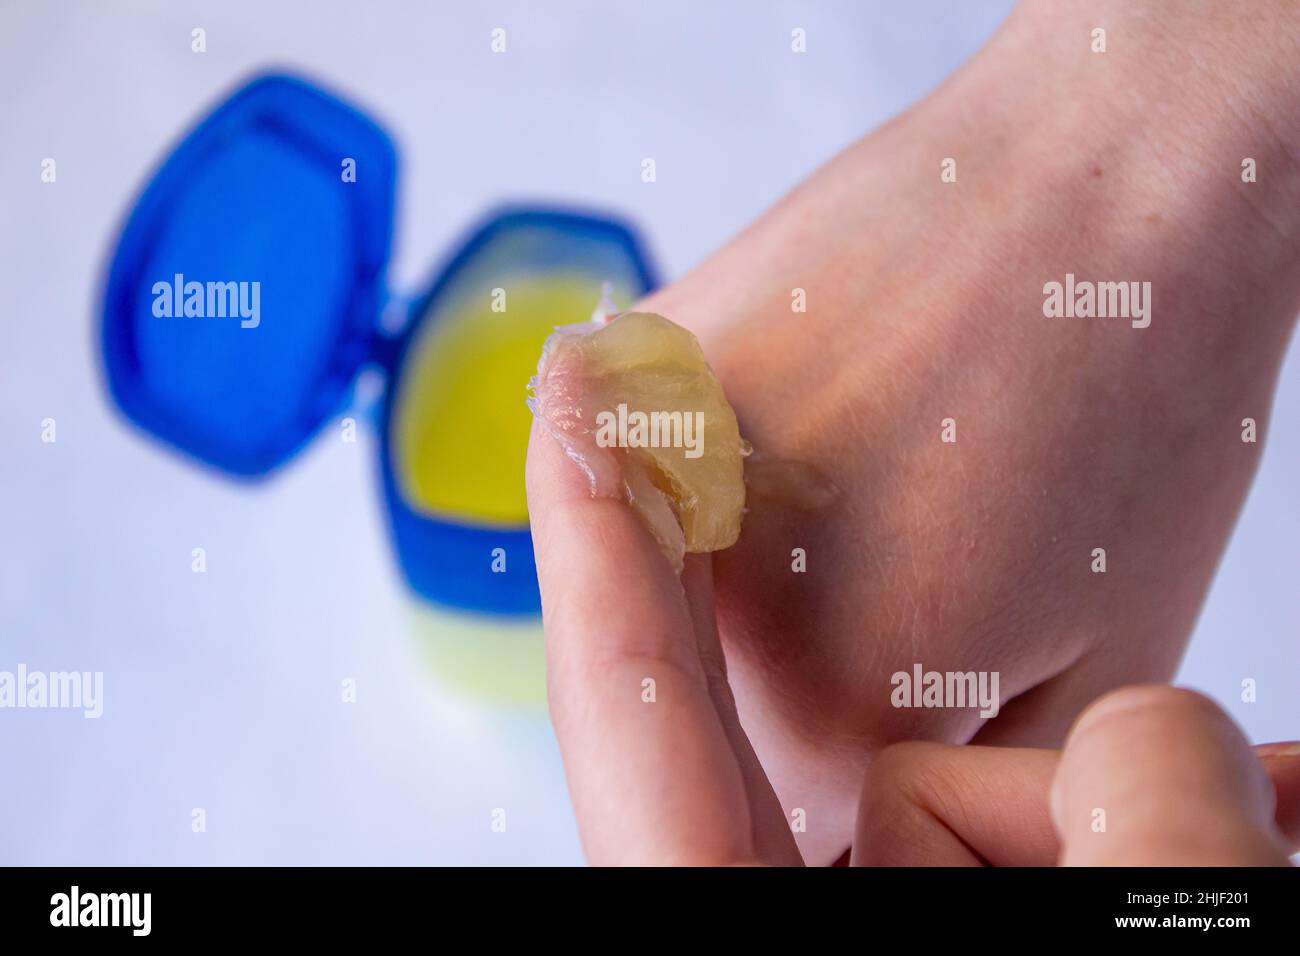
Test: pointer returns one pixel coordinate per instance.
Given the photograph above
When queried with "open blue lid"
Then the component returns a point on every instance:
(245, 288)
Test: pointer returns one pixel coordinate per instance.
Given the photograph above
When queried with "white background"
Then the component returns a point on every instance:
(222, 689)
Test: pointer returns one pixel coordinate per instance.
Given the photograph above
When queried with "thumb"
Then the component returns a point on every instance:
(1156, 775)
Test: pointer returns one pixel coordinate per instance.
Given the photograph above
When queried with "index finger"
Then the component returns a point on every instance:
(650, 769)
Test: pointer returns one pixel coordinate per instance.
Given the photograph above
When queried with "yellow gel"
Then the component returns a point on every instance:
(460, 425)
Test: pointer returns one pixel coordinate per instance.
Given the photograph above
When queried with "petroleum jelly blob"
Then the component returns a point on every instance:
(635, 405)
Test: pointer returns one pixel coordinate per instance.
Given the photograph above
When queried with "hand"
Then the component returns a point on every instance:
(661, 771)
(1150, 776)
(925, 303)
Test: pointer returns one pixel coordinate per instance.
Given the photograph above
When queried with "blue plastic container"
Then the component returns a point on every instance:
(246, 290)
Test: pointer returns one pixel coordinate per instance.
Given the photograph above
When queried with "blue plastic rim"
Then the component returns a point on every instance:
(449, 561)
(242, 295)
(289, 190)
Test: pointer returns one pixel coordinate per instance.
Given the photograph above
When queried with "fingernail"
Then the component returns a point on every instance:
(1291, 749)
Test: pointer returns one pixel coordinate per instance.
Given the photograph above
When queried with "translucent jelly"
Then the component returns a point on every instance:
(636, 406)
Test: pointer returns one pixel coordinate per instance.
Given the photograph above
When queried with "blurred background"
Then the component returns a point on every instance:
(222, 689)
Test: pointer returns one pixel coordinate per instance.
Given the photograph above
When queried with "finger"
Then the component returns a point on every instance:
(650, 767)
(927, 804)
(1156, 775)
(773, 839)
(1282, 762)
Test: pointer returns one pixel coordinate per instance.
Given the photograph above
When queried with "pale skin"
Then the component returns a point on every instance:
(924, 303)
